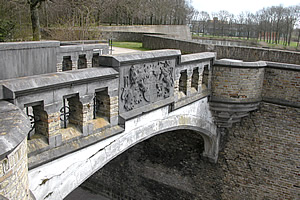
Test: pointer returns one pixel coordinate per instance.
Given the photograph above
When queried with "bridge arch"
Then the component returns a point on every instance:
(55, 180)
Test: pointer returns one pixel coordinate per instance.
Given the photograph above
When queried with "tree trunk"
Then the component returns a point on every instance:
(35, 21)
(298, 38)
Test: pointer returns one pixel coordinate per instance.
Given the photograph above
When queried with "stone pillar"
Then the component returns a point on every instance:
(89, 59)
(114, 107)
(205, 77)
(200, 70)
(74, 59)
(53, 135)
(189, 82)
(176, 84)
(59, 63)
(87, 114)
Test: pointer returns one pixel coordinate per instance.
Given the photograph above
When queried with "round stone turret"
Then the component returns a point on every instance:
(14, 127)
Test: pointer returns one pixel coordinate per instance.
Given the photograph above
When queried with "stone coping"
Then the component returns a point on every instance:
(245, 47)
(283, 66)
(54, 80)
(80, 47)
(119, 60)
(257, 64)
(197, 57)
(28, 45)
(14, 127)
(81, 42)
(237, 63)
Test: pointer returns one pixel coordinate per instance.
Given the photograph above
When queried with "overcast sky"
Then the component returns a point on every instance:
(237, 6)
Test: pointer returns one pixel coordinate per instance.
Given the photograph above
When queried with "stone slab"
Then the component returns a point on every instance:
(57, 80)
(14, 127)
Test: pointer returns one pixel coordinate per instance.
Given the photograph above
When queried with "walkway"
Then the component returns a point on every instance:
(119, 50)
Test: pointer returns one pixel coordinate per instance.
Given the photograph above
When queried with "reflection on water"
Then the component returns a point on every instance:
(82, 194)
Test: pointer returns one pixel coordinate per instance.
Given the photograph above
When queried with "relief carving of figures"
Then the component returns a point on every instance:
(142, 80)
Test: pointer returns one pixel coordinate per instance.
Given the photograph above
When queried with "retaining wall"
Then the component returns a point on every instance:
(247, 54)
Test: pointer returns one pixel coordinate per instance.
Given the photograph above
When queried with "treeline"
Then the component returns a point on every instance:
(273, 24)
(19, 17)
(84, 13)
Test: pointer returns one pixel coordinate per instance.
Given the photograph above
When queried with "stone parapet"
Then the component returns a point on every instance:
(247, 54)
(236, 90)
(237, 82)
(282, 84)
(191, 88)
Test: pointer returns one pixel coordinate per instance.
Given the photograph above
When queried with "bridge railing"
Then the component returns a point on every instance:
(79, 56)
(72, 109)
(65, 106)
(193, 78)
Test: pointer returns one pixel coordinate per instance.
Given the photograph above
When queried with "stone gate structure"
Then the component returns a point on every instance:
(58, 128)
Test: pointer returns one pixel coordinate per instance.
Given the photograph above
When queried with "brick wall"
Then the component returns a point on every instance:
(261, 156)
(14, 174)
(237, 84)
(282, 85)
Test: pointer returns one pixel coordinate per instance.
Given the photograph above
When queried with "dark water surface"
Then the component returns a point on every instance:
(82, 194)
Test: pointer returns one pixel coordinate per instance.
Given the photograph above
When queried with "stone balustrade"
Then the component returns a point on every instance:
(72, 109)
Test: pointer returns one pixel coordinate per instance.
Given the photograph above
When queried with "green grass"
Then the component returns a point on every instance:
(130, 45)
(271, 45)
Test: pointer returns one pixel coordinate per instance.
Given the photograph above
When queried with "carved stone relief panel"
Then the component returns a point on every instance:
(143, 84)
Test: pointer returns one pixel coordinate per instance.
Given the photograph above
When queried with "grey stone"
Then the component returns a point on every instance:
(14, 127)
(56, 80)
(133, 58)
(197, 57)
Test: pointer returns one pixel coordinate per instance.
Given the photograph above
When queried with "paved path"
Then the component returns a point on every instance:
(119, 50)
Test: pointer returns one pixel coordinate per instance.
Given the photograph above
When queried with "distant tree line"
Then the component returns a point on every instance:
(272, 24)
(18, 17)
(83, 13)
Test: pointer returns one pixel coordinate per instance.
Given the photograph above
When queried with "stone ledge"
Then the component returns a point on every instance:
(190, 99)
(139, 57)
(70, 147)
(196, 57)
(147, 108)
(81, 48)
(235, 100)
(32, 84)
(283, 66)
(28, 45)
(240, 64)
(281, 102)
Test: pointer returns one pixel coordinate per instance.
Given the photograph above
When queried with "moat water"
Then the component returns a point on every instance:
(83, 194)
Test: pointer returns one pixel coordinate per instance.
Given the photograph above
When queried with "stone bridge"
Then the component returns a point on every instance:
(57, 129)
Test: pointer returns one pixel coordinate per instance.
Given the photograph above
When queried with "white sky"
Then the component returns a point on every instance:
(237, 6)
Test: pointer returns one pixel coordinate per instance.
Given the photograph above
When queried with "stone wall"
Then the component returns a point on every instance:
(282, 84)
(14, 174)
(27, 58)
(14, 127)
(237, 81)
(259, 160)
(248, 54)
(119, 33)
(261, 156)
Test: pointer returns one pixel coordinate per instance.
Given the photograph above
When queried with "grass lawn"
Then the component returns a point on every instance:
(130, 45)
